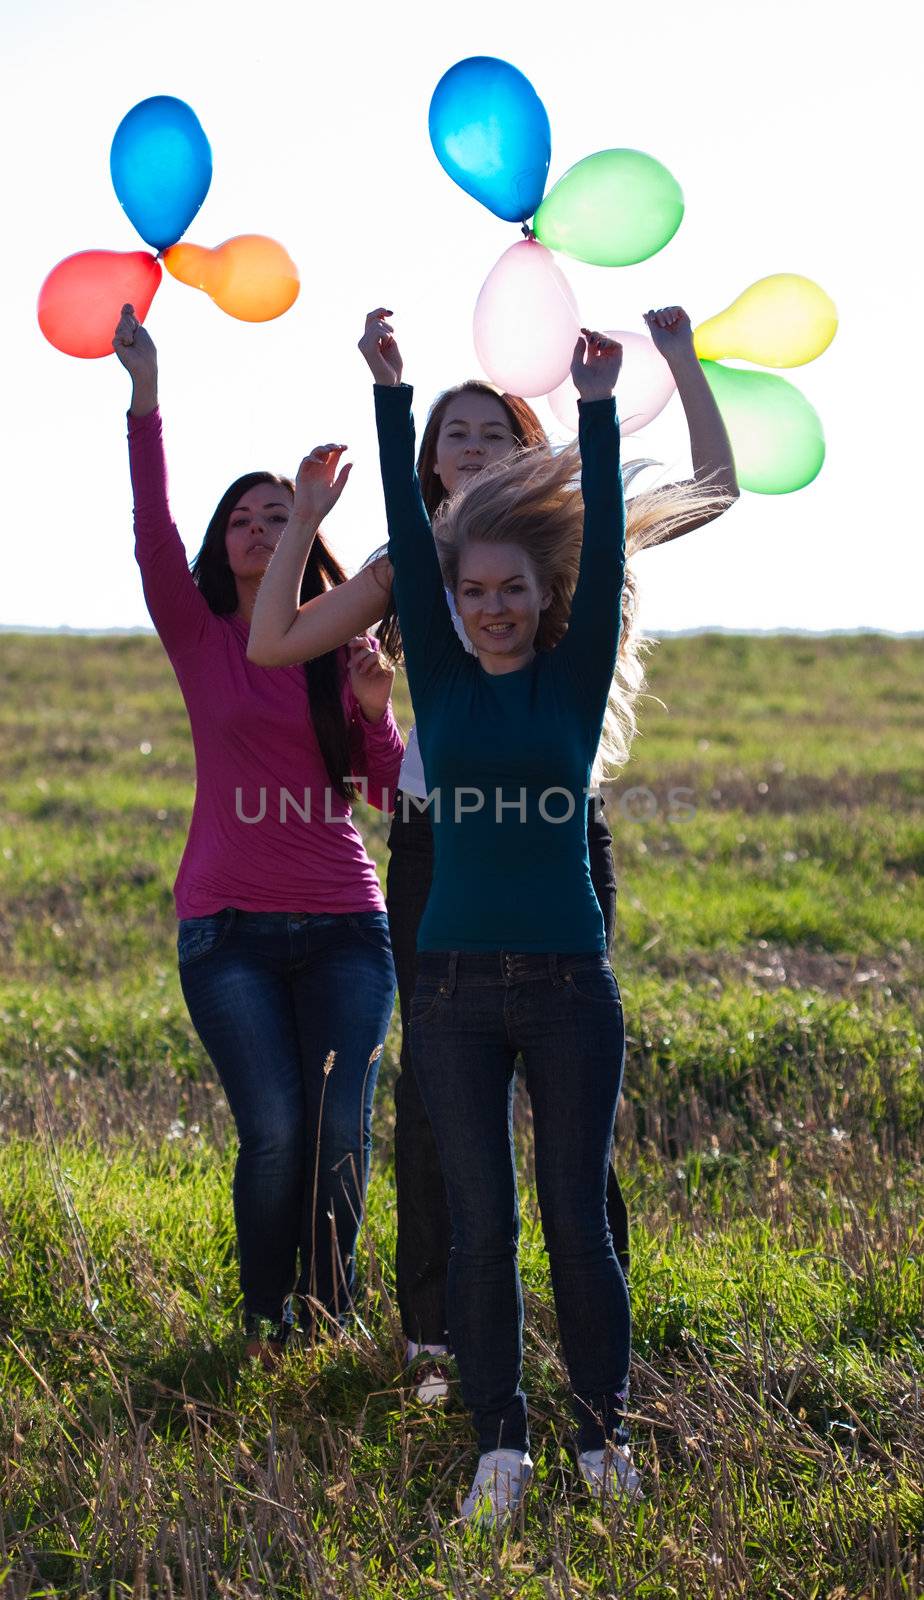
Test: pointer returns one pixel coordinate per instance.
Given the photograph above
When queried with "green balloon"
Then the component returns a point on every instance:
(612, 209)
(776, 436)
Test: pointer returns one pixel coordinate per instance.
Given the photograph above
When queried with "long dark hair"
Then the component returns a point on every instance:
(526, 429)
(325, 675)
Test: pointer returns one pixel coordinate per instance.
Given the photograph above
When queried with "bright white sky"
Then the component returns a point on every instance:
(787, 123)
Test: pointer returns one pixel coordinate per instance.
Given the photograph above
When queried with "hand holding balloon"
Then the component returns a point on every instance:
(671, 333)
(646, 383)
(136, 350)
(380, 348)
(316, 489)
(595, 365)
(80, 299)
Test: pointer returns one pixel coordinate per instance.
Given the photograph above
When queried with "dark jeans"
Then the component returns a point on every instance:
(422, 1254)
(292, 1008)
(470, 1016)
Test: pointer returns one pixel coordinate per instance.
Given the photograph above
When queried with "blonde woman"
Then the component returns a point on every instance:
(511, 949)
(469, 427)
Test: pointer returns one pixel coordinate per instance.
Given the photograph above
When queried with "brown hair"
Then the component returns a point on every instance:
(324, 675)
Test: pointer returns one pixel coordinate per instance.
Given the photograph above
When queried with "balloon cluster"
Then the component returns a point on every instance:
(161, 166)
(776, 436)
(490, 132)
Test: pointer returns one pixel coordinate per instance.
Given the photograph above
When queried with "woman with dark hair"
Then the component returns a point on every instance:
(469, 427)
(284, 955)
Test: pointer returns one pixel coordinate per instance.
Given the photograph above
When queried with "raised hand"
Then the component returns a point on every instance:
(671, 333)
(317, 489)
(595, 365)
(380, 348)
(136, 350)
(371, 677)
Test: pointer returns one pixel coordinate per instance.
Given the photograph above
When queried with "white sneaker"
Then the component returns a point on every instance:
(428, 1366)
(610, 1472)
(498, 1487)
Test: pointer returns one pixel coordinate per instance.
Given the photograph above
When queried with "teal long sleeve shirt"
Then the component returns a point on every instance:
(508, 756)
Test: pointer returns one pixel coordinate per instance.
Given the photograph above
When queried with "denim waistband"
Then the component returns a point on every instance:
(503, 966)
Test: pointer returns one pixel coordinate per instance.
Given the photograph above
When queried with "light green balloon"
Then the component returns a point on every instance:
(612, 209)
(776, 436)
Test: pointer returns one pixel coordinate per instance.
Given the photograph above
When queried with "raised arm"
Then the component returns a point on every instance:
(713, 462)
(179, 612)
(281, 630)
(427, 632)
(590, 644)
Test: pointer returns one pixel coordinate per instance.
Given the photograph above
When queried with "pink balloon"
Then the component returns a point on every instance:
(643, 387)
(526, 321)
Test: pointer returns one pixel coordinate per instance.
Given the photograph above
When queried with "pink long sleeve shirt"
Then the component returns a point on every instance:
(268, 831)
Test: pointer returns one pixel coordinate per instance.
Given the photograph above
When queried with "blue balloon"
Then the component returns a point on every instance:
(161, 165)
(491, 132)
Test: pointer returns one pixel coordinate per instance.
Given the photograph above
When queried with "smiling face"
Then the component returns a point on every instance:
(474, 433)
(500, 600)
(255, 527)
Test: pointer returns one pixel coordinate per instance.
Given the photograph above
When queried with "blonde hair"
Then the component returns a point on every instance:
(533, 500)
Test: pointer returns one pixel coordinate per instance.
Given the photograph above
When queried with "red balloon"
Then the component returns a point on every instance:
(81, 300)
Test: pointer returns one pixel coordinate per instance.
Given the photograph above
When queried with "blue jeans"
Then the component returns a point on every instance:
(470, 1016)
(422, 1250)
(271, 995)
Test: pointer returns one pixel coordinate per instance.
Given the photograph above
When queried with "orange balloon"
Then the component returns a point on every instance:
(81, 300)
(251, 277)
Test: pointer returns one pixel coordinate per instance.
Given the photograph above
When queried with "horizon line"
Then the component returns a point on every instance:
(660, 633)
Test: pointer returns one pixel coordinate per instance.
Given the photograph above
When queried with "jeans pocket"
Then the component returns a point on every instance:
(198, 937)
(430, 992)
(372, 927)
(593, 982)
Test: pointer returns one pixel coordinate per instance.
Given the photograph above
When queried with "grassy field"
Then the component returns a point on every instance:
(769, 844)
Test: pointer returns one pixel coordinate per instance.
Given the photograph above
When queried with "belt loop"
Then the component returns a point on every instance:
(451, 972)
(554, 974)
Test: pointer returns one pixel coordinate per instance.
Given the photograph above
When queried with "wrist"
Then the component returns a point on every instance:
(684, 358)
(144, 399)
(303, 525)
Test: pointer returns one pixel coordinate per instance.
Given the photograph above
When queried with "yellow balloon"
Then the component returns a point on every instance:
(780, 321)
(251, 277)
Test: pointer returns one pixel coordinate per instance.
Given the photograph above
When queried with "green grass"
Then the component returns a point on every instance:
(770, 957)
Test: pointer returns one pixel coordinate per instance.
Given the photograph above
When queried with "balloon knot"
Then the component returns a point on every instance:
(527, 231)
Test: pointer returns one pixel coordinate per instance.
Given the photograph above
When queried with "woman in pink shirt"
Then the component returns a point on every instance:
(284, 956)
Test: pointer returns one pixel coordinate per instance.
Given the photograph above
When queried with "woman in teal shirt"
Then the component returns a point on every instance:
(491, 427)
(511, 947)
